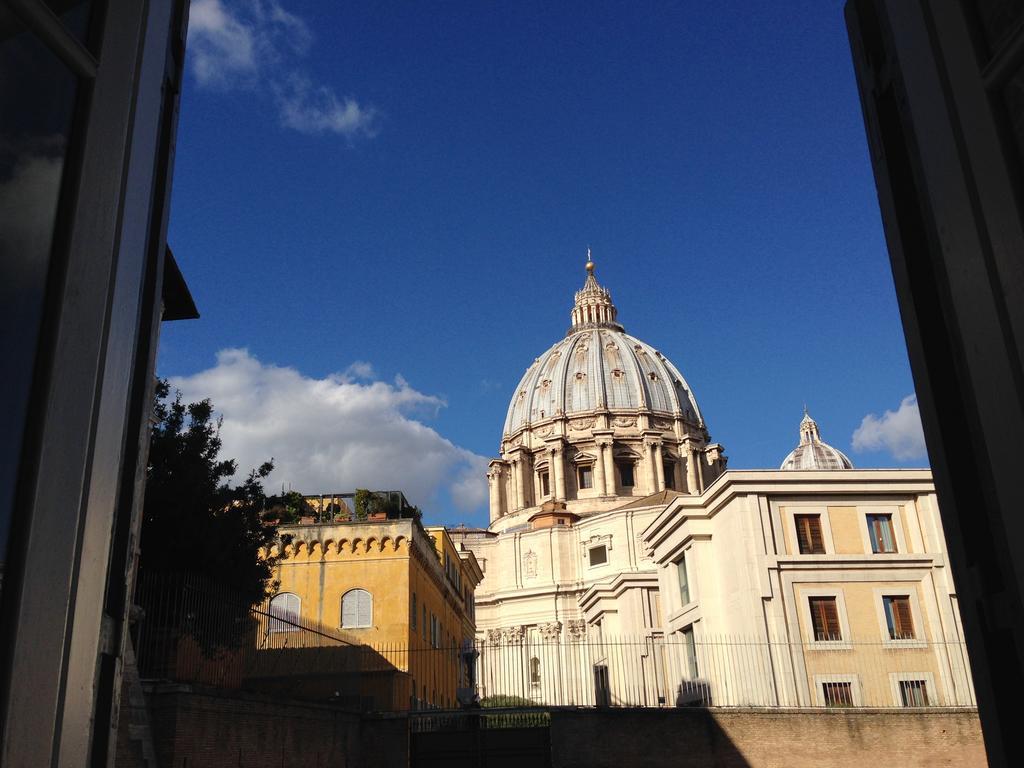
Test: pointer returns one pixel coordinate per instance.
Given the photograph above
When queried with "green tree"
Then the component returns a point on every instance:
(193, 521)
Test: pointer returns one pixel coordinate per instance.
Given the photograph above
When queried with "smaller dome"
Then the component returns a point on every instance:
(812, 453)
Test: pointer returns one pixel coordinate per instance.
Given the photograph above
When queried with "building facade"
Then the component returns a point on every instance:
(624, 563)
(391, 585)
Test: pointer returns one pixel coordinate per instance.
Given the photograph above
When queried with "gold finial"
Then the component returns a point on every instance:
(590, 262)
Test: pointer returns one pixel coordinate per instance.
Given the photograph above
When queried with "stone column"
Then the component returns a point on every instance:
(677, 472)
(691, 470)
(652, 472)
(609, 468)
(599, 485)
(659, 467)
(521, 482)
(558, 460)
(494, 492)
(513, 484)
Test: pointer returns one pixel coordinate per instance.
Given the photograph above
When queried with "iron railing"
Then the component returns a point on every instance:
(654, 670)
(193, 632)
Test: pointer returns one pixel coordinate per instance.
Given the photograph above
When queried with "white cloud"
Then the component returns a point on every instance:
(337, 433)
(315, 109)
(259, 43)
(221, 47)
(897, 432)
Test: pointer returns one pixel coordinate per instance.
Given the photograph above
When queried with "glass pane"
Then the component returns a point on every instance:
(75, 15)
(37, 105)
(997, 19)
(1013, 102)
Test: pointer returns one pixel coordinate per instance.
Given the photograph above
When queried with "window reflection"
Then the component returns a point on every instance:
(37, 107)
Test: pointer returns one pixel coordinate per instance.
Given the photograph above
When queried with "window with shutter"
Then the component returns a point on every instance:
(284, 612)
(356, 609)
(898, 617)
(825, 618)
(808, 534)
(880, 533)
(838, 694)
(914, 693)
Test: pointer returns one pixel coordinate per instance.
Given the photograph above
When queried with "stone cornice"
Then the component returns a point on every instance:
(772, 482)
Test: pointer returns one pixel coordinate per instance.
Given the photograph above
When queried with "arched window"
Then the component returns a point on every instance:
(356, 609)
(535, 671)
(284, 612)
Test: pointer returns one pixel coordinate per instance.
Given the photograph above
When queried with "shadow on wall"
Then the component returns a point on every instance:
(737, 738)
(356, 678)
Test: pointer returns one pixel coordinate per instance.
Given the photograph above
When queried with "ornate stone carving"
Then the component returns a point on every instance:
(513, 635)
(494, 635)
(530, 565)
(551, 631)
(544, 431)
(577, 630)
(517, 441)
(662, 423)
(581, 424)
(624, 421)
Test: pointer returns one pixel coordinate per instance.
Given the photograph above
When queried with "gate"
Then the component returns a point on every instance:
(480, 738)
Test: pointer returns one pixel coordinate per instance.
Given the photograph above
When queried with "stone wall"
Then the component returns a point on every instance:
(765, 738)
(210, 728)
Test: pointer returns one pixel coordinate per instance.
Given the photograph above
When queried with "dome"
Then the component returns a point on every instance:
(599, 367)
(812, 453)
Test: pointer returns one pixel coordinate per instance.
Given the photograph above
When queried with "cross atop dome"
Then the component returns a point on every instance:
(593, 307)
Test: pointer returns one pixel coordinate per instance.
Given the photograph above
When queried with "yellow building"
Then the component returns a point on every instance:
(392, 585)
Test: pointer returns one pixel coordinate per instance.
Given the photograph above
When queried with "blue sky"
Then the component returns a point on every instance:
(387, 207)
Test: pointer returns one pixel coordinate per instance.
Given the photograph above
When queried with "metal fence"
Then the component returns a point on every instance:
(653, 671)
(193, 632)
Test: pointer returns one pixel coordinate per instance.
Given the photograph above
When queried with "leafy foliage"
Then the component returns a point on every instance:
(193, 521)
(289, 507)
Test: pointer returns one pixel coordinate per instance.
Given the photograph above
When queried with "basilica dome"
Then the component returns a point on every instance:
(599, 367)
(812, 453)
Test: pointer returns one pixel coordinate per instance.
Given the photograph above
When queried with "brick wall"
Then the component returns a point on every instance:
(765, 739)
(210, 728)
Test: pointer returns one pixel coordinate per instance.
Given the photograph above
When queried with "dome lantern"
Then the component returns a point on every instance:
(593, 307)
(813, 453)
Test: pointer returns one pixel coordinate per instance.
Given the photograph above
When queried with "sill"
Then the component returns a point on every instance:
(688, 614)
(898, 644)
(829, 645)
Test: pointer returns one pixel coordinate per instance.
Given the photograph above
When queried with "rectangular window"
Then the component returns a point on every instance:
(625, 473)
(838, 694)
(914, 693)
(424, 623)
(684, 581)
(598, 555)
(825, 618)
(898, 617)
(545, 483)
(670, 475)
(690, 653)
(413, 612)
(808, 534)
(586, 476)
(880, 533)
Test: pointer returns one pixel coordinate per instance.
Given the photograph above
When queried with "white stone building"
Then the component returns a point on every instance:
(620, 551)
